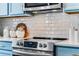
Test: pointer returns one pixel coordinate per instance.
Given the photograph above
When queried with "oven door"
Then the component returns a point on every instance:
(21, 53)
(30, 52)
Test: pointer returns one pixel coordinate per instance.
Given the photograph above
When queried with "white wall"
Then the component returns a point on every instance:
(48, 25)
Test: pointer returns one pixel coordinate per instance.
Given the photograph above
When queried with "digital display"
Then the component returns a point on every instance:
(30, 44)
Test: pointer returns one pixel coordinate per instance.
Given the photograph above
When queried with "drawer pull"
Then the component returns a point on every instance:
(75, 54)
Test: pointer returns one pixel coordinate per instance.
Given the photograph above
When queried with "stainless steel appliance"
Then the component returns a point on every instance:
(34, 48)
(37, 8)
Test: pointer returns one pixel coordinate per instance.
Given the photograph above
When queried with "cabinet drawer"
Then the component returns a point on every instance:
(5, 45)
(5, 52)
(67, 51)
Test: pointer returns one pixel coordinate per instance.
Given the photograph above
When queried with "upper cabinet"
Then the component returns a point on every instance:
(71, 7)
(3, 9)
(15, 8)
(12, 9)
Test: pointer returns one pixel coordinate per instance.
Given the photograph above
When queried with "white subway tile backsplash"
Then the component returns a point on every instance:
(48, 25)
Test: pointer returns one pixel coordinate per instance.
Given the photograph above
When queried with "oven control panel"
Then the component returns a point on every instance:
(30, 44)
(39, 45)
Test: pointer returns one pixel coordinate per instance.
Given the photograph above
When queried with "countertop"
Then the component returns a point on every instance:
(9, 39)
(56, 42)
(68, 43)
(5, 39)
(31, 39)
(14, 40)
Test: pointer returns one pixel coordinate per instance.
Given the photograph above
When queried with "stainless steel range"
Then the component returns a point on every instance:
(34, 48)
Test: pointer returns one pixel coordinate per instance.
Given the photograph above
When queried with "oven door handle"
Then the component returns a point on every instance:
(30, 53)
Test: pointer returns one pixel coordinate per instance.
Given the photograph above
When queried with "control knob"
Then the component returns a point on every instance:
(40, 45)
(44, 45)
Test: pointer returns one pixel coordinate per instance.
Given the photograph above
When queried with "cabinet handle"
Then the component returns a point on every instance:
(22, 6)
(10, 7)
(75, 54)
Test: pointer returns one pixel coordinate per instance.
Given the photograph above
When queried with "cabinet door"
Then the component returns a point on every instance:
(67, 51)
(5, 52)
(15, 8)
(5, 48)
(3, 9)
(5, 45)
(71, 7)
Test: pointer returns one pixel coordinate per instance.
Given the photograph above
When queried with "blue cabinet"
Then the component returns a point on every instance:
(3, 9)
(15, 8)
(12, 9)
(71, 7)
(5, 48)
(67, 51)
